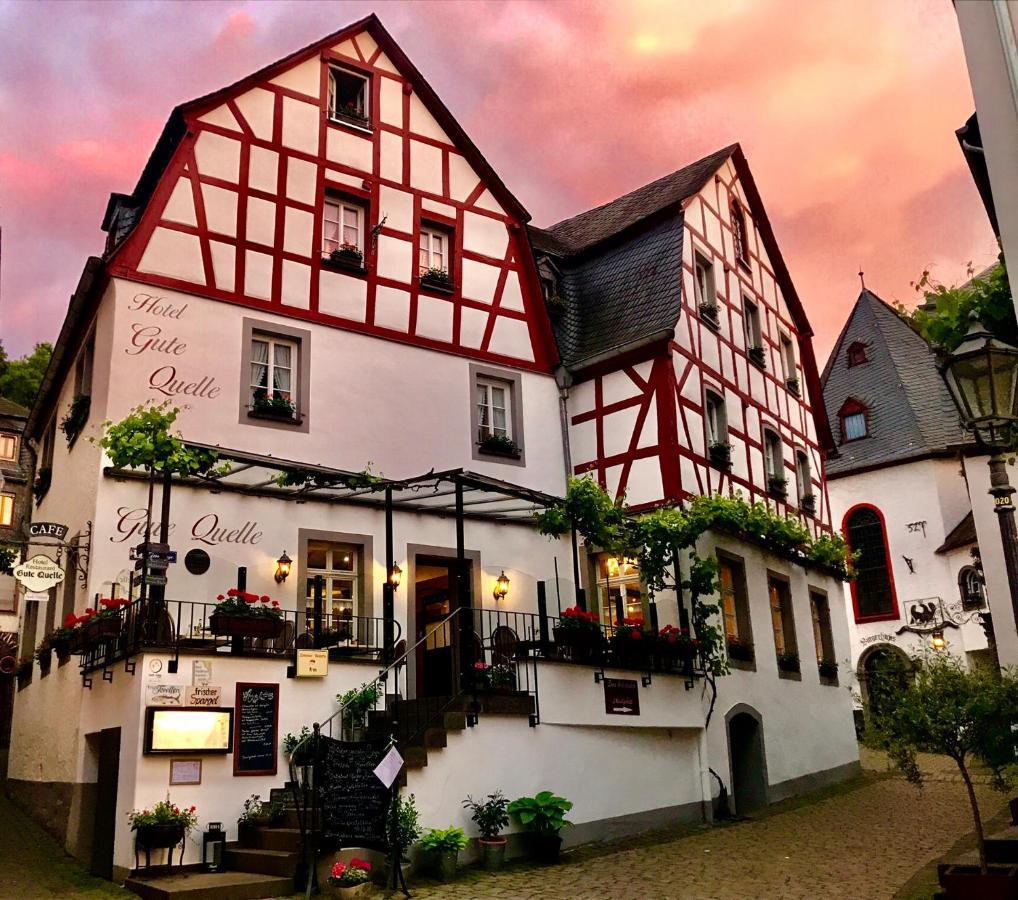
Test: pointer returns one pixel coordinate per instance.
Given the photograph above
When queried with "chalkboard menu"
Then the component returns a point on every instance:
(354, 803)
(257, 729)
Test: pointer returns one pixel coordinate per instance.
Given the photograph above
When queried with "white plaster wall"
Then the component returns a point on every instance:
(402, 408)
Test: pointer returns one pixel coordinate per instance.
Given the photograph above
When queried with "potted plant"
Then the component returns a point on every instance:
(276, 406)
(62, 639)
(299, 746)
(355, 705)
(966, 715)
(777, 486)
(793, 386)
(628, 645)
(350, 879)
(437, 279)
(675, 648)
(720, 453)
(758, 356)
(41, 484)
(77, 416)
(164, 825)
(788, 661)
(243, 614)
(578, 634)
(351, 112)
(402, 827)
(502, 678)
(499, 445)
(44, 655)
(543, 816)
(709, 313)
(257, 813)
(828, 669)
(347, 256)
(443, 846)
(808, 504)
(740, 650)
(491, 816)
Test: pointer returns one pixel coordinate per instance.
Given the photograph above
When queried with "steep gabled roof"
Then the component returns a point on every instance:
(910, 413)
(176, 127)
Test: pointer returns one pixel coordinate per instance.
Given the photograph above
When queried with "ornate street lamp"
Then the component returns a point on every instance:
(501, 589)
(982, 377)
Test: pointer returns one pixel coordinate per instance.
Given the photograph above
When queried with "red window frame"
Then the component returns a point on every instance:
(894, 614)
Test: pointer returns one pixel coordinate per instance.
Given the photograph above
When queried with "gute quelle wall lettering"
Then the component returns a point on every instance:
(208, 529)
(150, 337)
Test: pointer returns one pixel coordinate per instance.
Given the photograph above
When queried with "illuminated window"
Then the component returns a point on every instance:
(338, 564)
(782, 623)
(6, 510)
(619, 582)
(8, 447)
(734, 599)
(823, 638)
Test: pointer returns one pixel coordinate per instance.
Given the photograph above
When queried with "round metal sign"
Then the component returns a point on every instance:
(39, 573)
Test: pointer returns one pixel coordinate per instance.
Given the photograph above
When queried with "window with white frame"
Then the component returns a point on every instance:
(751, 320)
(434, 251)
(338, 564)
(274, 362)
(342, 226)
(6, 510)
(349, 95)
(494, 409)
(8, 447)
(803, 475)
(703, 281)
(788, 364)
(774, 457)
(714, 418)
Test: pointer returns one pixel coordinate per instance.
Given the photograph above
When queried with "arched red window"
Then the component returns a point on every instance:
(856, 354)
(854, 417)
(873, 594)
(739, 233)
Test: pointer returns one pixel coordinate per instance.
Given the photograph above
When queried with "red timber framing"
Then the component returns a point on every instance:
(366, 48)
(682, 370)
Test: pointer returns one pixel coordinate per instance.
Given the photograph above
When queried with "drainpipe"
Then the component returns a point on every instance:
(564, 381)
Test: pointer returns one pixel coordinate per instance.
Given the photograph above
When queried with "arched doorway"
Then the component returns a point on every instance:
(882, 670)
(746, 754)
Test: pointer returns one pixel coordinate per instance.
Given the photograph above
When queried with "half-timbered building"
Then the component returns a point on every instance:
(320, 269)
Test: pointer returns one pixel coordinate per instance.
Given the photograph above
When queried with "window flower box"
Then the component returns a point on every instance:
(793, 386)
(777, 486)
(40, 486)
(741, 651)
(808, 504)
(266, 407)
(158, 837)
(346, 256)
(758, 356)
(709, 314)
(243, 614)
(578, 635)
(788, 661)
(674, 649)
(77, 415)
(164, 826)
(828, 670)
(437, 280)
(499, 445)
(720, 453)
(350, 115)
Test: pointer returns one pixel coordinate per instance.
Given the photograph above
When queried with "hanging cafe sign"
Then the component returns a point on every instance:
(39, 573)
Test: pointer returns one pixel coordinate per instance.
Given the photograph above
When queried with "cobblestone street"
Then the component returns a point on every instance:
(860, 841)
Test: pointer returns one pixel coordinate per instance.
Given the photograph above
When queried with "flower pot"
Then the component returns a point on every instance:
(578, 645)
(350, 890)
(544, 848)
(157, 837)
(245, 626)
(273, 412)
(493, 853)
(63, 652)
(968, 883)
(444, 864)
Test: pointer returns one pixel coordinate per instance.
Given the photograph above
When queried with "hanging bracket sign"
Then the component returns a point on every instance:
(39, 573)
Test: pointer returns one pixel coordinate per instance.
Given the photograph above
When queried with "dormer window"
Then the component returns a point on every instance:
(856, 354)
(854, 420)
(349, 96)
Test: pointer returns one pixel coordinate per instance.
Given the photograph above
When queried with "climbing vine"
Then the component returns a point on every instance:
(308, 478)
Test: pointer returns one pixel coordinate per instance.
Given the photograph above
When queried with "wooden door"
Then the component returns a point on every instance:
(104, 827)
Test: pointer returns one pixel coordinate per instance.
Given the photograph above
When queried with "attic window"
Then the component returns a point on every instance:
(349, 96)
(856, 354)
(854, 418)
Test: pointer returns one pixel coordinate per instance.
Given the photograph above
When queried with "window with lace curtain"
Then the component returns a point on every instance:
(275, 375)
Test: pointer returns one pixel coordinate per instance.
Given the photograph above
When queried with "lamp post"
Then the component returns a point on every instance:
(982, 377)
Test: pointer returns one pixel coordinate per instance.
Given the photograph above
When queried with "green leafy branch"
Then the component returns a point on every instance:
(143, 440)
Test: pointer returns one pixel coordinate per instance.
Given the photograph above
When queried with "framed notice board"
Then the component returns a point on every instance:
(256, 724)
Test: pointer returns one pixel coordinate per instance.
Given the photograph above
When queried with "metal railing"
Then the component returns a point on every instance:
(182, 625)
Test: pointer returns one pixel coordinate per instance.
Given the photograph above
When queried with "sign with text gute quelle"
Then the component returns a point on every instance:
(39, 573)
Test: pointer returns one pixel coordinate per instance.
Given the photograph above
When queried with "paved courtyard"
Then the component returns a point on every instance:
(859, 841)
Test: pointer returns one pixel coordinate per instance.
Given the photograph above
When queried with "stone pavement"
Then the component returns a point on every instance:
(862, 841)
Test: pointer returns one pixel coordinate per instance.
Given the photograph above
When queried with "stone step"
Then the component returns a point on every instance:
(209, 886)
(264, 862)
(435, 738)
(416, 757)
(286, 838)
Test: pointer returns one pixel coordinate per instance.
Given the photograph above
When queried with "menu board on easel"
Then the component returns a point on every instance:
(256, 721)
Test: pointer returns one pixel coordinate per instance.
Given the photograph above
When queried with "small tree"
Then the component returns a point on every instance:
(948, 711)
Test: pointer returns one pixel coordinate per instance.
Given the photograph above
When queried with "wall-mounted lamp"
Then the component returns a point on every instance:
(501, 587)
(395, 576)
(937, 640)
(283, 568)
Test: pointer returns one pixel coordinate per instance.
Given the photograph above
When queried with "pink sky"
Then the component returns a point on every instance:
(846, 111)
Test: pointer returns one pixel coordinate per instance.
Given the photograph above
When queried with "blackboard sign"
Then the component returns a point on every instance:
(257, 729)
(354, 802)
(621, 697)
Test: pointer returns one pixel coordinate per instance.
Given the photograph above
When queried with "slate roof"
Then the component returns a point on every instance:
(910, 413)
(962, 535)
(10, 408)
